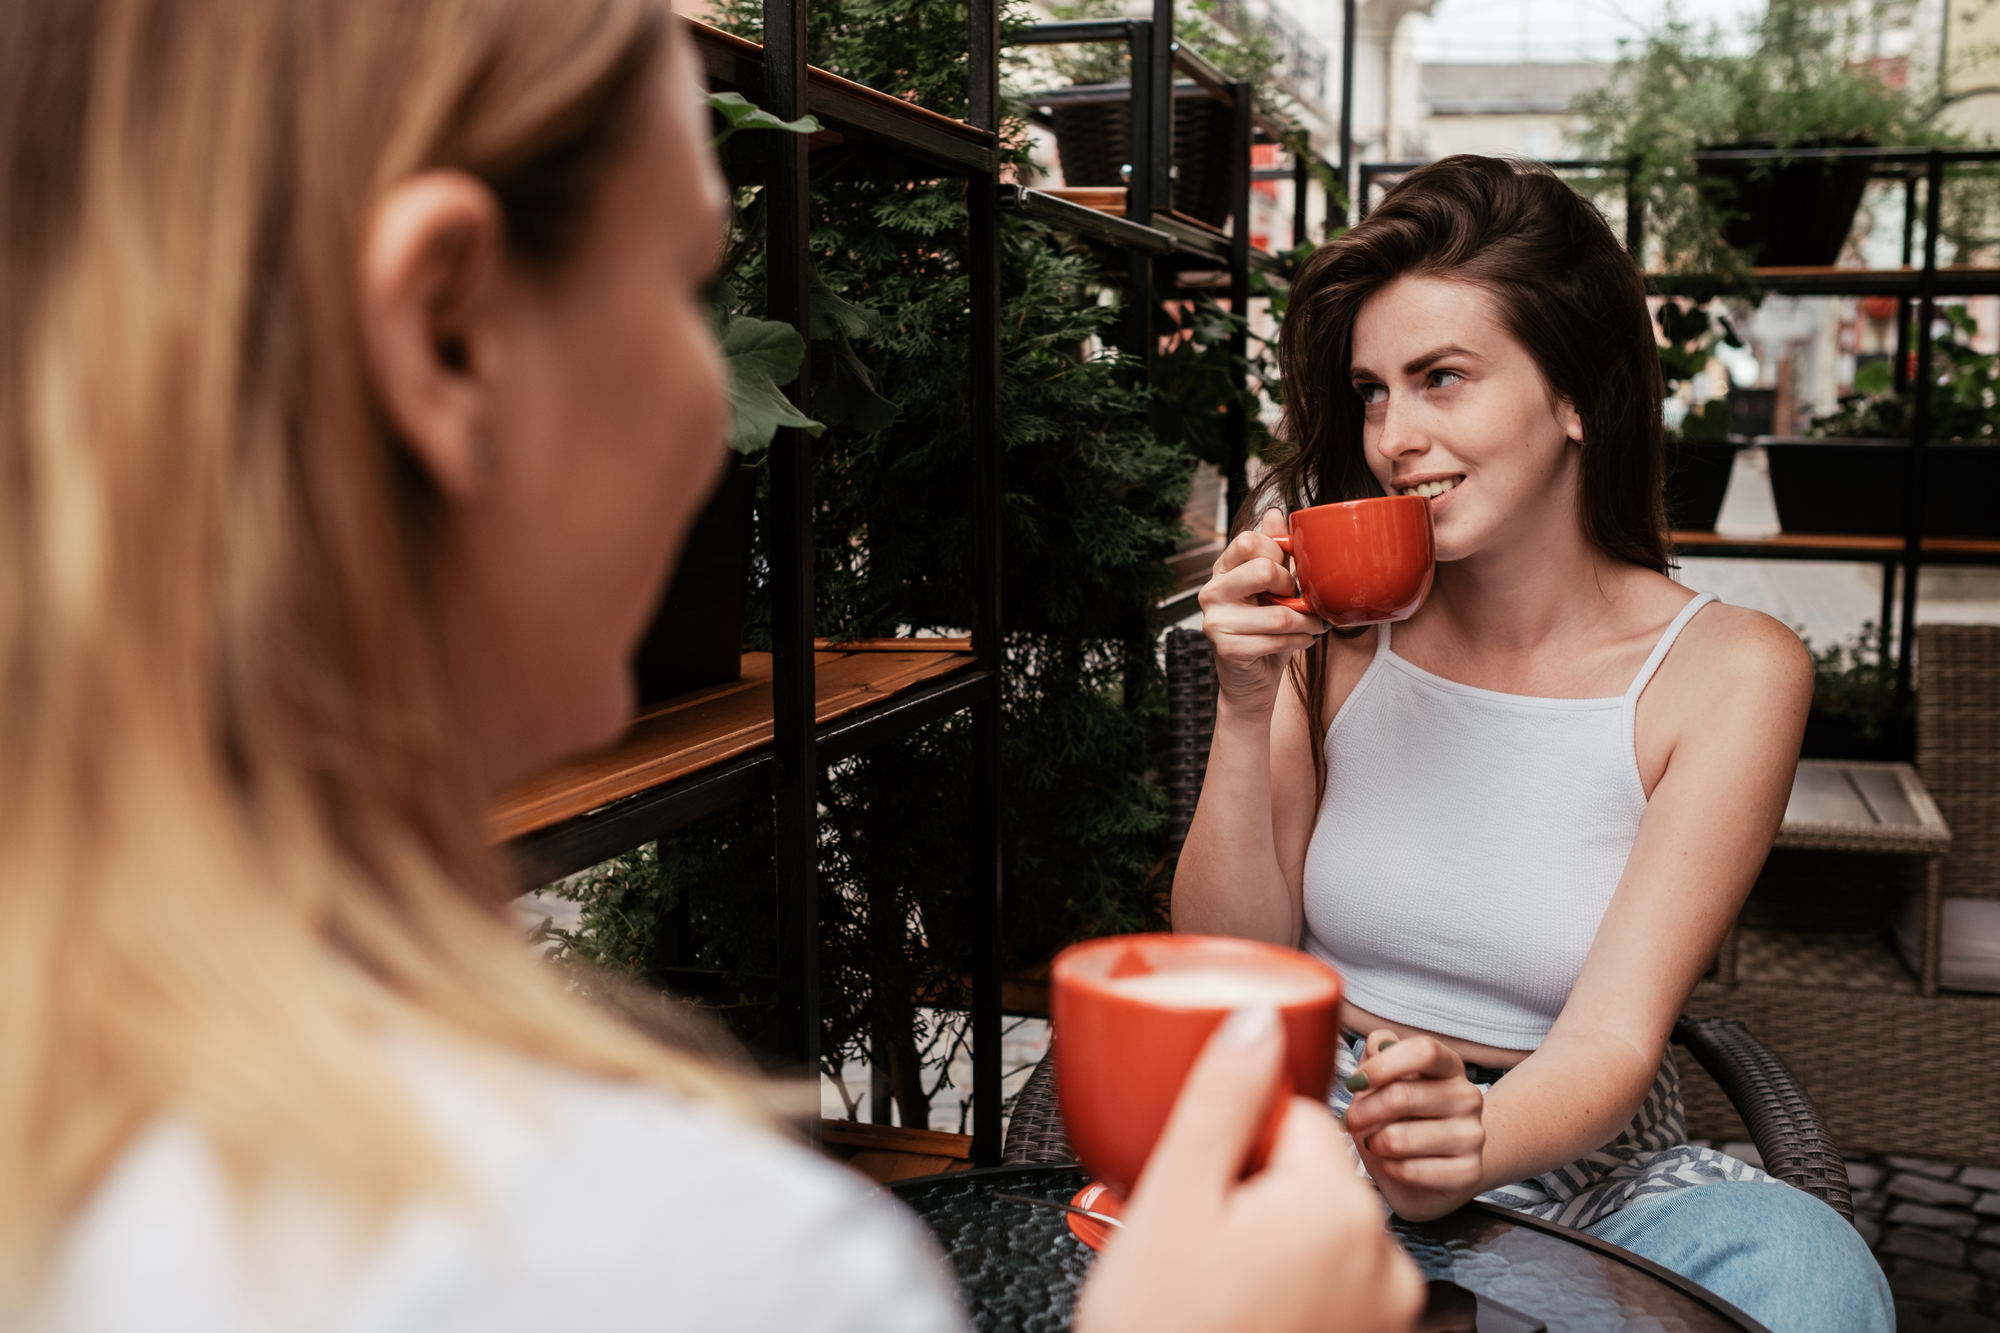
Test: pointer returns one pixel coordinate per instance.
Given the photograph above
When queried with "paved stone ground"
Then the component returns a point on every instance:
(1935, 1227)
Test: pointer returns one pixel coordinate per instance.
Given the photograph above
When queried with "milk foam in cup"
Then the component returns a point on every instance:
(1214, 988)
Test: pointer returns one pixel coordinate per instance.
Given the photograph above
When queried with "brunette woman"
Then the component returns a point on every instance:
(355, 391)
(1520, 822)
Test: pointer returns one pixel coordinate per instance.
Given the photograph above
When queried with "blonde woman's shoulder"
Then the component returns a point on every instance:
(590, 1205)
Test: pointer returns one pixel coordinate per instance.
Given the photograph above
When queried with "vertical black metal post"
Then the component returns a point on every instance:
(1236, 419)
(1885, 625)
(1346, 116)
(1160, 147)
(1902, 366)
(1635, 214)
(1301, 187)
(1920, 430)
(1139, 204)
(788, 200)
(983, 270)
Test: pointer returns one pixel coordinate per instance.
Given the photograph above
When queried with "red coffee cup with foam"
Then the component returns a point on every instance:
(1132, 1012)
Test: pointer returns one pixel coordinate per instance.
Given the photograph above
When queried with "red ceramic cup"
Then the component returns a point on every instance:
(1131, 1013)
(1362, 562)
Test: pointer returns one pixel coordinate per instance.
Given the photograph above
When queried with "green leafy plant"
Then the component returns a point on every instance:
(1856, 683)
(1683, 87)
(760, 355)
(1962, 400)
(1691, 338)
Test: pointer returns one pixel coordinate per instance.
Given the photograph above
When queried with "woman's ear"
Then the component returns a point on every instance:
(1569, 420)
(431, 261)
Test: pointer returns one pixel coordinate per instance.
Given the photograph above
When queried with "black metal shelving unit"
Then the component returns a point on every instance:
(1917, 285)
(1159, 242)
(922, 145)
(1156, 244)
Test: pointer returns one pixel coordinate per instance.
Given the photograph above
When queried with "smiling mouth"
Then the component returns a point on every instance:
(1429, 488)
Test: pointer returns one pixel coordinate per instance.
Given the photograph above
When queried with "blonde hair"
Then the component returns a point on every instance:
(238, 839)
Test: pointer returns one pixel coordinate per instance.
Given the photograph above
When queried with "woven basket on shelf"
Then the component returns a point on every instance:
(1093, 125)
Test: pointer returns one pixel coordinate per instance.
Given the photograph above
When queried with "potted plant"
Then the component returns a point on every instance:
(1853, 713)
(1848, 476)
(1683, 89)
(1092, 117)
(1700, 453)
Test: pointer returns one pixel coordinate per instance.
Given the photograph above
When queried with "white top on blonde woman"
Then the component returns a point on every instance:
(592, 1206)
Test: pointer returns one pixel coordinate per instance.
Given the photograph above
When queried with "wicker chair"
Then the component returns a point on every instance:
(1787, 1130)
(1834, 1005)
(1958, 749)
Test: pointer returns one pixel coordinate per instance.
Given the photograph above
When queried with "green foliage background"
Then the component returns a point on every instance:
(1093, 500)
(1963, 399)
(1685, 86)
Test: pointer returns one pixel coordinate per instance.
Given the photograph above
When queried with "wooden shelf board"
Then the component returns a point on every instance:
(886, 1153)
(1832, 281)
(1103, 199)
(705, 728)
(1194, 235)
(1823, 541)
(846, 105)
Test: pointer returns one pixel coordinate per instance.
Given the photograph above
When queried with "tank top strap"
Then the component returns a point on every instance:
(1672, 632)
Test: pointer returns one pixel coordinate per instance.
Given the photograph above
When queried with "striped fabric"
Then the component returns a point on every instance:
(1652, 1156)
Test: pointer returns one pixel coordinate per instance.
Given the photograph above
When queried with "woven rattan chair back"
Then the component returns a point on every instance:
(1190, 726)
(1958, 748)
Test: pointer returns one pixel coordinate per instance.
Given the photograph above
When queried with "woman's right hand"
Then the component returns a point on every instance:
(1252, 643)
(1298, 1247)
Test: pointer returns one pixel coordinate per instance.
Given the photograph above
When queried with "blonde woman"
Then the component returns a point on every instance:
(355, 390)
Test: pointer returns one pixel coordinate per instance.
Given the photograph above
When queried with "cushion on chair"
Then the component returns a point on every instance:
(1968, 942)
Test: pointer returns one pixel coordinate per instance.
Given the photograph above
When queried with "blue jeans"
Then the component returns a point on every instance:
(1776, 1253)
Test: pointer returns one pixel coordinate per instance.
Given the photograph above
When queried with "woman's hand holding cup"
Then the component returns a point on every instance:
(1354, 563)
(1298, 1246)
(1416, 1119)
(1252, 641)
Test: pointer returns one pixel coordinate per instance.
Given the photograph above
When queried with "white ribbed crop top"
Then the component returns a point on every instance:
(1469, 843)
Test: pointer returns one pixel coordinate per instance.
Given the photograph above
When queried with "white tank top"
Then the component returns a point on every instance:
(1469, 843)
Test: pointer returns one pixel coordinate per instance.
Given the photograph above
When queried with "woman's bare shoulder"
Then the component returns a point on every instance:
(1737, 649)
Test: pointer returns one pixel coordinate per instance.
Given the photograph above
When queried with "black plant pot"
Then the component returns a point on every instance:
(1751, 410)
(1855, 487)
(1791, 214)
(1830, 737)
(1697, 476)
(696, 638)
(1093, 125)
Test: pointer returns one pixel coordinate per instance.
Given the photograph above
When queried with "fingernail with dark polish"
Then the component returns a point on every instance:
(1387, 1042)
(1357, 1082)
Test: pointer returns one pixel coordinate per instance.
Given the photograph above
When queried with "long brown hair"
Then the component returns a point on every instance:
(239, 840)
(1566, 289)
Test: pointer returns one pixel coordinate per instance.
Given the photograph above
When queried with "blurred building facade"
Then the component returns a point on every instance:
(1519, 109)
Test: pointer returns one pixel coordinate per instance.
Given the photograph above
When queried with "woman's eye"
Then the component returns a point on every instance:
(1444, 379)
(1371, 394)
